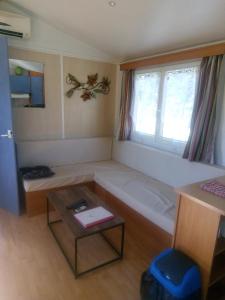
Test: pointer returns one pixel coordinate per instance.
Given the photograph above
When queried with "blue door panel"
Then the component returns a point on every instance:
(9, 192)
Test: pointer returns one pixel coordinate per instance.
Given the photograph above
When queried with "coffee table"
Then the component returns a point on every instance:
(57, 203)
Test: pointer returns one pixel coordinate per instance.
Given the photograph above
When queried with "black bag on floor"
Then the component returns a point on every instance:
(151, 289)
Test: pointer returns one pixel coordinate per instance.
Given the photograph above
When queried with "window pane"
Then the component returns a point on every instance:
(145, 102)
(178, 100)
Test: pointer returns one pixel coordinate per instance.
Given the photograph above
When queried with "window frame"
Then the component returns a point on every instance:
(157, 140)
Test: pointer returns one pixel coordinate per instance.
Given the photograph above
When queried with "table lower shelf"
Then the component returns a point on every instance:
(88, 253)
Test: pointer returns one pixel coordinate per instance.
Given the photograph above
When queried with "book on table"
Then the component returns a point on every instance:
(93, 216)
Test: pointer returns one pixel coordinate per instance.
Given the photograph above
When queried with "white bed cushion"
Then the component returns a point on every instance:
(151, 198)
(64, 176)
(70, 175)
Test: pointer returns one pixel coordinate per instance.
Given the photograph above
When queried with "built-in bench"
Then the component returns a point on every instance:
(154, 200)
(147, 204)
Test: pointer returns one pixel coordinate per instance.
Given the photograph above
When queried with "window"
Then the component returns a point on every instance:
(163, 104)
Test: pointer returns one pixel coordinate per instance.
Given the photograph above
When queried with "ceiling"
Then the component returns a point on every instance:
(135, 28)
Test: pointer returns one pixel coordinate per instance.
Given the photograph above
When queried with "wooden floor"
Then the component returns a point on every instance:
(32, 266)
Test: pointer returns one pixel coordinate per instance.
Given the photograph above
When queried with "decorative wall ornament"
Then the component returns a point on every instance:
(90, 88)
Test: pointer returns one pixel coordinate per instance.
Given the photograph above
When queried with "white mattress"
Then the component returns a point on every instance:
(64, 175)
(151, 198)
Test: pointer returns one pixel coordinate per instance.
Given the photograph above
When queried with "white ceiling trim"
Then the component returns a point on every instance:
(172, 52)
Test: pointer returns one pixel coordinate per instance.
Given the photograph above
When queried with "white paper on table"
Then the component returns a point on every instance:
(93, 216)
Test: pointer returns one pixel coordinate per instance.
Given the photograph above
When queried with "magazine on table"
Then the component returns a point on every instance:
(93, 216)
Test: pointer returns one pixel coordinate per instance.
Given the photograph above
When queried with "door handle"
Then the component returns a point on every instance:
(8, 135)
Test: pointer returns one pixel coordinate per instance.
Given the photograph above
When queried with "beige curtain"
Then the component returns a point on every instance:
(125, 105)
(201, 143)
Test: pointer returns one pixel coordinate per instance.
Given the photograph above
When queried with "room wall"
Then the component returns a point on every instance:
(63, 121)
(64, 152)
(71, 118)
(162, 165)
(63, 117)
(40, 123)
(88, 118)
(61, 53)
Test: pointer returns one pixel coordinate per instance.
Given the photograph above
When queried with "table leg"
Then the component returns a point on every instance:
(47, 211)
(119, 257)
(76, 258)
(122, 240)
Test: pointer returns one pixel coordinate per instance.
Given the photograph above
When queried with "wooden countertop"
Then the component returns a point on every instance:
(195, 193)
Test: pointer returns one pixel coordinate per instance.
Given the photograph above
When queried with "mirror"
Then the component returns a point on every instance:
(27, 83)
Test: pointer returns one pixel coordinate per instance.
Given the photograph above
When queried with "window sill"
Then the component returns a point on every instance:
(168, 153)
(161, 144)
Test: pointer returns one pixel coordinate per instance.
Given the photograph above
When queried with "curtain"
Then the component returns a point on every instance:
(125, 105)
(201, 142)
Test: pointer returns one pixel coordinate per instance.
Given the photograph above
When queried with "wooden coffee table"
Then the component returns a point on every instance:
(61, 215)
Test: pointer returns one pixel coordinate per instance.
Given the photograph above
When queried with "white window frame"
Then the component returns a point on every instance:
(157, 141)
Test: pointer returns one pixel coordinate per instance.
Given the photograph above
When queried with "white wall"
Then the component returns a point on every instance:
(63, 152)
(65, 117)
(94, 117)
(163, 166)
(46, 38)
(62, 53)
(41, 134)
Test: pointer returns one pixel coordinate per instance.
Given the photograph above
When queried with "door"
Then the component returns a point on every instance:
(9, 193)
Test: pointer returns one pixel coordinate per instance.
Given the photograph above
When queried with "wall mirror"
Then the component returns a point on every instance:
(27, 83)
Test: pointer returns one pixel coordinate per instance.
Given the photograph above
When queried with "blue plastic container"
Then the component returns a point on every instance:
(172, 276)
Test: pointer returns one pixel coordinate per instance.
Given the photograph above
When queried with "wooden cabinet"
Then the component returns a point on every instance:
(199, 215)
